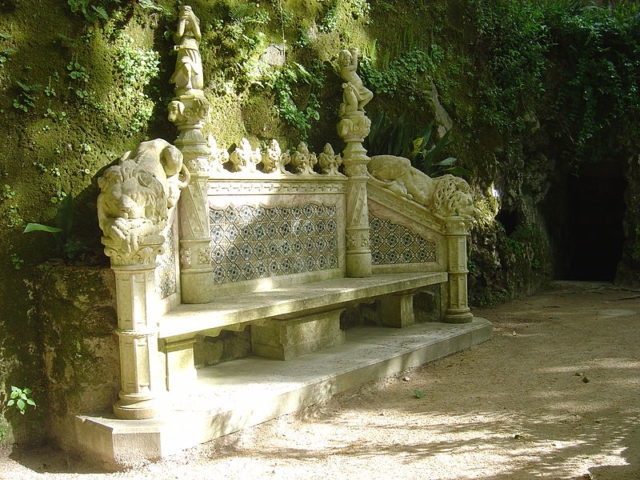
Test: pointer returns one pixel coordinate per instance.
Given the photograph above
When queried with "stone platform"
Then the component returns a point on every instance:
(238, 394)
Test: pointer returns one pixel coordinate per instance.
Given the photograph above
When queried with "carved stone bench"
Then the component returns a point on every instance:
(281, 242)
(287, 321)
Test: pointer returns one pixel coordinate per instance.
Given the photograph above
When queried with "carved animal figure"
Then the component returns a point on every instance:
(136, 195)
(446, 195)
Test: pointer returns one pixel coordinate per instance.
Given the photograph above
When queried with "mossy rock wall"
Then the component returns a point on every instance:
(81, 364)
(81, 88)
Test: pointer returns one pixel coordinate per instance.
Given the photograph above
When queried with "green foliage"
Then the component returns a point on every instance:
(403, 138)
(135, 66)
(16, 261)
(26, 99)
(7, 192)
(597, 91)
(79, 78)
(20, 399)
(56, 116)
(329, 21)
(359, 8)
(401, 77)
(91, 10)
(419, 394)
(5, 54)
(284, 81)
(136, 69)
(66, 247)
(514, 39)
(574, 64)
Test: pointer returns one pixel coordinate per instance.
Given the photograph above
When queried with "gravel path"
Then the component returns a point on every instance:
(554, 394)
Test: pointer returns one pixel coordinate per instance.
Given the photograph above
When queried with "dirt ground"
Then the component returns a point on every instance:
(554, 394)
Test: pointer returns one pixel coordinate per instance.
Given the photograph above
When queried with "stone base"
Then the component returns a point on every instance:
(284, 339)
(358, 264)
(396, 310)
(458, 316)
(235, 395)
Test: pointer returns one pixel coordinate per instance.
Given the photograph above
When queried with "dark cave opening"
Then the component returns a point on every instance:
(584, 215)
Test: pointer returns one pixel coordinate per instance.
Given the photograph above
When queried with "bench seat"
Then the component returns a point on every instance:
(286, 321)
(303, 298)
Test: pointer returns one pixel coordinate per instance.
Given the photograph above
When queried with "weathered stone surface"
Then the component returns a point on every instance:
(78, 311)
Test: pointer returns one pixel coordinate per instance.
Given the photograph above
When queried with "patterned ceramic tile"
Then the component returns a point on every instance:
(166, 280)
(250, 242)
(392, 244)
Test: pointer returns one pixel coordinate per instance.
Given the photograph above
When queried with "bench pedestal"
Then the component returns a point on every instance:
(289, 337)
(179, 363)
(396, 310)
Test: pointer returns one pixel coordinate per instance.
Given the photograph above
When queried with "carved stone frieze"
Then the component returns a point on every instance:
(239, 187)
(357, 239)
(354, 127)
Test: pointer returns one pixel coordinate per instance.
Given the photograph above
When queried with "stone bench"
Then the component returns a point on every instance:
(287, 321)
(202, 239)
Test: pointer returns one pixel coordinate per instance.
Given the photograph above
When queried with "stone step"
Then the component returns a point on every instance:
(242, 393)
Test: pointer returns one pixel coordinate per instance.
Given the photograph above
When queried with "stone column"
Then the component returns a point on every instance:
(353, 128)
(188, 110)
(458, 307)
(137, 332)
(196, 272)
(358, 255)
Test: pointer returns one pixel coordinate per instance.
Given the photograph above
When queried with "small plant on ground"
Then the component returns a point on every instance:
(20, 399)
(25, 100)
(89, 9)
(16, 261)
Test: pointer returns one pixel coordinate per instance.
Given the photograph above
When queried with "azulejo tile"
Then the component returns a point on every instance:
(392, 243)
(167, 276)
(269, 241)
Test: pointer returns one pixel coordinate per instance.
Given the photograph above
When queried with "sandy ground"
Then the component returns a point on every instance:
(555, 394)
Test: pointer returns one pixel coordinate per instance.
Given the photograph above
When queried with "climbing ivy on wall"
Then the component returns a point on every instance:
(574, 63)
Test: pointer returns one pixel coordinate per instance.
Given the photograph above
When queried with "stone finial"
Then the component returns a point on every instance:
(244, 158)
(302, 160)
(273, 161)
(217, 157)
(354, 125)
(135, 198)
(188, 72)
(328, 161)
